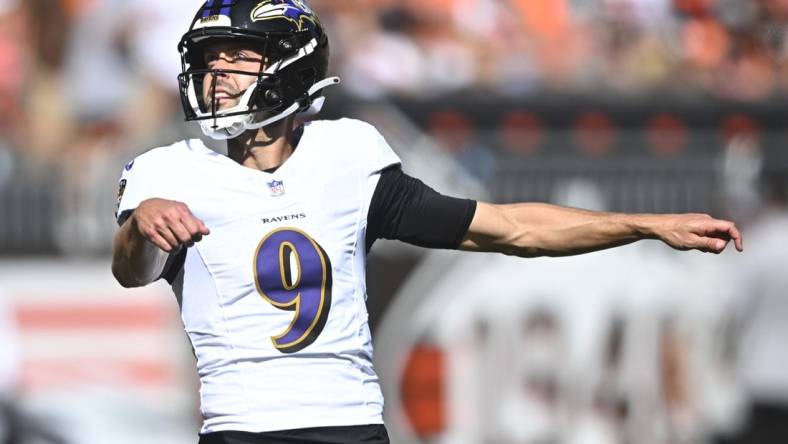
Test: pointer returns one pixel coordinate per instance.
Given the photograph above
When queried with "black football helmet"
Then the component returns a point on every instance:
(295, 48)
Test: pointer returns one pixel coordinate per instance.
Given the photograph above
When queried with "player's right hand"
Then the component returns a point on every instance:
(698, 232)
(169, 224)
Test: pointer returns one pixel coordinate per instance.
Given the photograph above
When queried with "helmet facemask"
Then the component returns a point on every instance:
(287, 83)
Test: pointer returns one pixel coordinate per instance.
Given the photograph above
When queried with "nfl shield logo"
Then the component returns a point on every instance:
(277, 188)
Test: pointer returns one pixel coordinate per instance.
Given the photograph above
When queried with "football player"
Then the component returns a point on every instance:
(265, 247)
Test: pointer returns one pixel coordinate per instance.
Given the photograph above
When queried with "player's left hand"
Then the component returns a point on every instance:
(698, 232)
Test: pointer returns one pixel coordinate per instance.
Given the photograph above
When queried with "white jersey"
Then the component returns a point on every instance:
(274, 299)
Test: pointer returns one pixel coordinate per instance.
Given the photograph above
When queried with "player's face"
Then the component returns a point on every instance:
(229, 86)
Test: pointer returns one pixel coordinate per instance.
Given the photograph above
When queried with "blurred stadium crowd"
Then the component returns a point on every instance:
(722, 48)
(81, 75)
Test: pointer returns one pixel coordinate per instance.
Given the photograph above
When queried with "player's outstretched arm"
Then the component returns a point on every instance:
(157, 228)
(534, 229)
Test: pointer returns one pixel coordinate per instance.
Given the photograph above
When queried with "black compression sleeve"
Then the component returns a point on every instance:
(174, 265)
(406, 209)
(124, 216)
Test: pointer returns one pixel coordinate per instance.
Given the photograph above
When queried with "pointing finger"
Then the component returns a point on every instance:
(727, 230)
(737, 239)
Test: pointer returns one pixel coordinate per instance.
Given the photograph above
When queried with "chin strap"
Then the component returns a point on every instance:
(313, 109)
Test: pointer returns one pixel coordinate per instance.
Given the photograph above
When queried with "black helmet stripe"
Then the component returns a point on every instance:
(213, 7)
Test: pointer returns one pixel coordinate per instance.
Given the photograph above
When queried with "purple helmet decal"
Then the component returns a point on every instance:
(296, 11)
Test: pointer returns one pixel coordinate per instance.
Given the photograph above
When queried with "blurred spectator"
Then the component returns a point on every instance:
(742, 163)
(49, 109)
(761, 301)
(13, 63)
(381, 58)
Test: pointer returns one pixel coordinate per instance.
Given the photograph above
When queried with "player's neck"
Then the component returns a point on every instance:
(265, 149)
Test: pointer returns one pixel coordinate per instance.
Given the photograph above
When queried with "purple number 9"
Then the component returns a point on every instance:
(293, 273)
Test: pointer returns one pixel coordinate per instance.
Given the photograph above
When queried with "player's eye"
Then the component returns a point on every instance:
(210, 58)
(245, 56)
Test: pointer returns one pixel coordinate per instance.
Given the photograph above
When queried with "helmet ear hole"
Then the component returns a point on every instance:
(272, 97)
(286, 45)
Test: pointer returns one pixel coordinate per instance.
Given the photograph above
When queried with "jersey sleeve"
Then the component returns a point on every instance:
(376, 156)
(380, 156)
(404, 208)
(137, 183)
